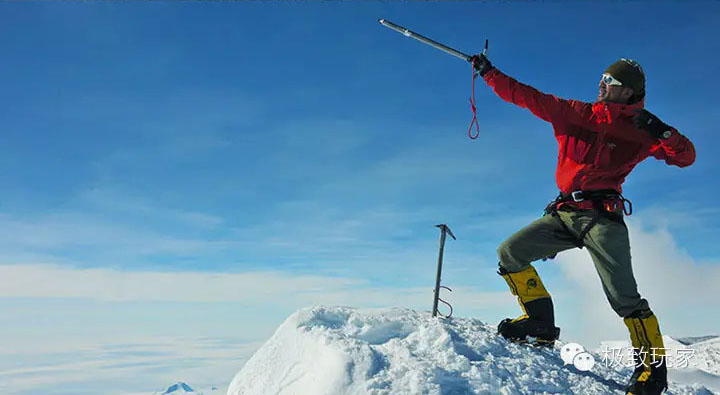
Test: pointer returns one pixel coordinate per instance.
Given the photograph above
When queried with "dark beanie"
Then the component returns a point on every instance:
(630, 74)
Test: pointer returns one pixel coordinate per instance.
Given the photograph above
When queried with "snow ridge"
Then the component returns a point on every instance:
(342, 350)
(696, 339)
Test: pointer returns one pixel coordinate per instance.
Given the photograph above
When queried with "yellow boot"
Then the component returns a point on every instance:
(538, 319)
(650, 376)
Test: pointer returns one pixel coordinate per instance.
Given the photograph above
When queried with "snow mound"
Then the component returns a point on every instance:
(341, 350)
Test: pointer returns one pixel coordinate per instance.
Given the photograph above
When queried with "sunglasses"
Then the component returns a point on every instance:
(610, 80)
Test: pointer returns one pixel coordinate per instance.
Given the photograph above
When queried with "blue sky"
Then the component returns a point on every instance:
(304, 151)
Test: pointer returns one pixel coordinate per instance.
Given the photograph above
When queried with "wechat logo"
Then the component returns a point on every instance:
(573, 353)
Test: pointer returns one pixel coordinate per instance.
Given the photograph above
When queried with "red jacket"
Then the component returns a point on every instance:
(598, 143)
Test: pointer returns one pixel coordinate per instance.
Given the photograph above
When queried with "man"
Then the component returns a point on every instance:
(599, 144)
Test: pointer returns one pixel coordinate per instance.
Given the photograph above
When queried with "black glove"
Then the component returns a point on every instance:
(647, 121)
(481, 64)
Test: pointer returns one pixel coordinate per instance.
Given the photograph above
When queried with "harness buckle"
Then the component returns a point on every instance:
(577, 196)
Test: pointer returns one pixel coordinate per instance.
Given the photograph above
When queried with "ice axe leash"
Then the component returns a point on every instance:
(409, 33)
(444, 230)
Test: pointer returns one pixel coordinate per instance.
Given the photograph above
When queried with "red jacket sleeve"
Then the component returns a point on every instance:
(677, 150)
(547, 107)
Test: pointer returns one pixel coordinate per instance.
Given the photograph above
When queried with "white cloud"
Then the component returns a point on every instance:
(53, 281)
(139, 366)
(87, 233)
(265, 288)
(122, 203)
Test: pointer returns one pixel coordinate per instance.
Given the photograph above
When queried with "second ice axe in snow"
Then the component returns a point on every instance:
(444, 230)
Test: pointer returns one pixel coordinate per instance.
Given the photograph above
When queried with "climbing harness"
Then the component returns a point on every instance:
(601, 199)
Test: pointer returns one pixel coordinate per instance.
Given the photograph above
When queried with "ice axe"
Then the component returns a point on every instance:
(409, 33)
(454, 52)
(444, 230)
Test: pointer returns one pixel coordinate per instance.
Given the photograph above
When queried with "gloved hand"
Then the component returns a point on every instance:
(647, 121)
(481, 64)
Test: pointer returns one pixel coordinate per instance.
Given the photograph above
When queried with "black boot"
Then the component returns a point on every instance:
(647, 380)
(538, 324)
(538, 321)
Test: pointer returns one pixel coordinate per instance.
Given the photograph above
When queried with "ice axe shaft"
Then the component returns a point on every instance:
(425, 40)
(444, 230)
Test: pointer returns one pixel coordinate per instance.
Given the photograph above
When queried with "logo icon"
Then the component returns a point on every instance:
(573, 353)
(531, 283)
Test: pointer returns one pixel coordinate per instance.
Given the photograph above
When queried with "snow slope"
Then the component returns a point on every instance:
(341, 350)
(707, 355)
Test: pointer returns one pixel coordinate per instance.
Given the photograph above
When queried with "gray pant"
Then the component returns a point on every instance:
(608, 245)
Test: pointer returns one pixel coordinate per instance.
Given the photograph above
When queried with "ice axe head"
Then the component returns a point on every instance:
(444, 228)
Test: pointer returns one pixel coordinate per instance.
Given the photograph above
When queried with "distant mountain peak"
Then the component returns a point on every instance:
(178, 388)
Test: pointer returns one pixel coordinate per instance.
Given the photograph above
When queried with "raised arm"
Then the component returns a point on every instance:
(545, 106)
